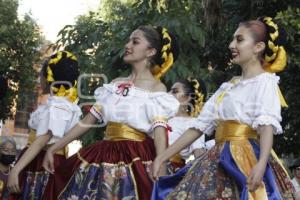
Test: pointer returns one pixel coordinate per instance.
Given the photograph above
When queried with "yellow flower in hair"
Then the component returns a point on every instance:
(70, 93)
(59, 91)
(73, 94)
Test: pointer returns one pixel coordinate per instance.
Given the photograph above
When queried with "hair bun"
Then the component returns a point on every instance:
(275, 55)
(63, 66)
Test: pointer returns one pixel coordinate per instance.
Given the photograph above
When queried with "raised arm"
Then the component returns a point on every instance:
(185, 140)
(78, 130)
(38, 144)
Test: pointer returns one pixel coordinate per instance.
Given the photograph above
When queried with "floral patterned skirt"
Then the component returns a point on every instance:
(105, 170)
(33, 178)
(215, 177)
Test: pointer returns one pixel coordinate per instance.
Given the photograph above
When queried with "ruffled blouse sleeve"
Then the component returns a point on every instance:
(101, 95)
(206, 120)
(59, 116)
(160, 107)
(267, 108)
(34, 118)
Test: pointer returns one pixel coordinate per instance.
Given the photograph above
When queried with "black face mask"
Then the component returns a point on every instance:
(7, 159)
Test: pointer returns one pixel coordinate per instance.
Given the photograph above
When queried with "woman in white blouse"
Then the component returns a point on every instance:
(191, 94)
(245, 113)
(135, 110)
(48, 123)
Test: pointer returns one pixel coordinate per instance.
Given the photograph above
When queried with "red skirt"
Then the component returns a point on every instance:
(106, 170)
(33, 178)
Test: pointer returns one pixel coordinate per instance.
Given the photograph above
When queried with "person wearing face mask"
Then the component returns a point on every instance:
(135, 109)
(8, 153)
(245, 113)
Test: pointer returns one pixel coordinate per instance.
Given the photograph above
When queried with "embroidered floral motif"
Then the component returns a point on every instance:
(206, 180)
(104, 182)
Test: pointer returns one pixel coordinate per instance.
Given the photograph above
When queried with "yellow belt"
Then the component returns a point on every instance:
(241, 150)
(233, 131)
(119, 132)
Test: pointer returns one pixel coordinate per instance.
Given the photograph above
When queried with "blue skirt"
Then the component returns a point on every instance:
(217, 176)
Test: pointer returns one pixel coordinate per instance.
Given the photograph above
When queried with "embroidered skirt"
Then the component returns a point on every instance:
(33, 178)
(105, 170)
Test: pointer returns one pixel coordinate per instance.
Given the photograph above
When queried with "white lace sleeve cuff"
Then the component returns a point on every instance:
(267, 120)
(96, 110)
(159, 121)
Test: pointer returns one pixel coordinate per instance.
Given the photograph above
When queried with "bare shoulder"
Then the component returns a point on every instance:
(119, 79)
(159, 87)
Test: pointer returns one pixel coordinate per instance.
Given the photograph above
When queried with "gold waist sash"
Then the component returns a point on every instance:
(233, 131)
(241, 150)
(119, 132)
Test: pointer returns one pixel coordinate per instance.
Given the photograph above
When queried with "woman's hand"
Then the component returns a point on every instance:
(48, 162)
(156, 173)
(13, 181)
(256, 176)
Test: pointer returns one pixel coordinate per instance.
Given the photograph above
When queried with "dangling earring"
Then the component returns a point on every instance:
(147, 63)
(185, 109)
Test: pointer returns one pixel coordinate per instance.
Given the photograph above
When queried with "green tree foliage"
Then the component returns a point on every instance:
(19, 43)
(204, 30)
(290, 78)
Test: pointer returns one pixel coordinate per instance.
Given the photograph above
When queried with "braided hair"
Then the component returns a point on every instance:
(166, 47)
(3, 87)
(62, 66)
(265, 29)
(197, 91)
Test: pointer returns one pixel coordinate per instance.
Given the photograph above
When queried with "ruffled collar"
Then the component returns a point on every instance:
(235, 81)
(128, 89)
(180, 118)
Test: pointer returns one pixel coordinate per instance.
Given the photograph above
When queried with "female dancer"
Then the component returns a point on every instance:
(245, 113)
(191, 94)
(135, 110)
(50, 122)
